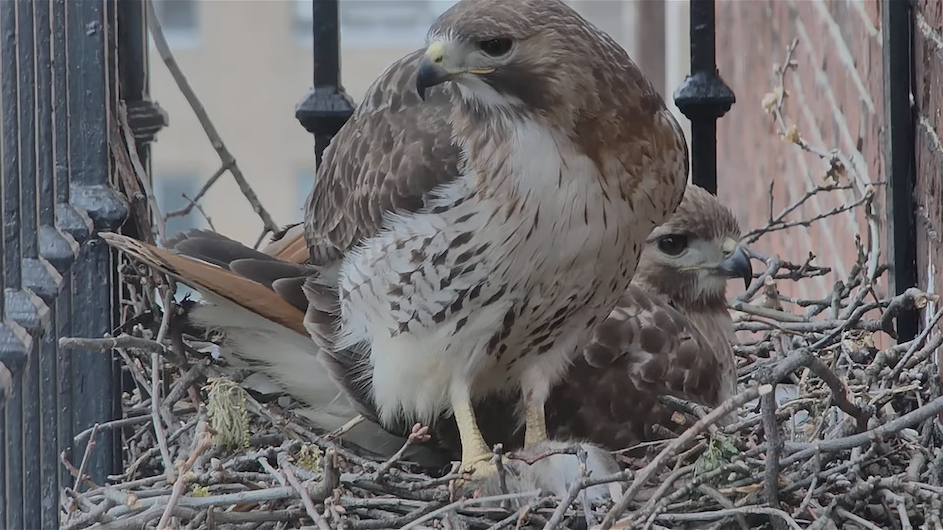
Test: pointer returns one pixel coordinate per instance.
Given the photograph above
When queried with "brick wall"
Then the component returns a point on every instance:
(834, 98)
(928, 93)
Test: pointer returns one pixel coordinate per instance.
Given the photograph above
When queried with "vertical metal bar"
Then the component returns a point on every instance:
(144, 116)
(70, 223)
(325, 27)
(57, 251)
(55, 247)
(33, 276)
(899, 155)
(703, 96)
(112, 68)
(327, 107)
(93, 389)
(13, 443)
(15, 343)
(10, 146)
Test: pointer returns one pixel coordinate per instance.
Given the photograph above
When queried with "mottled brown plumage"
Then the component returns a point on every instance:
(670, 334)
(481, 211)
(523, 192)
(650, 345)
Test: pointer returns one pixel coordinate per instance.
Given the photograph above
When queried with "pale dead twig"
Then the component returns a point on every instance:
(419, 434)
(306, 499)
(203, 442)
(701, 425)
(469, 502)
(89, 447)
(345, 428)
(155, 386)
(193, 204)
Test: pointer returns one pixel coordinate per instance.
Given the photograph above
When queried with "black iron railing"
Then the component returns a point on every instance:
(900, 155)
(703, 96)
(326, 108)
(60, 84)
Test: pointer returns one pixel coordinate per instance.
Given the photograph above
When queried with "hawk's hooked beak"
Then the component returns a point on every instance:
(433, 71)
(737, 263)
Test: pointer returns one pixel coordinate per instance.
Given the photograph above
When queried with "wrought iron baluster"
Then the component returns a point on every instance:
(900, 155)
(703, 96)
(327, 107)
(93, 275)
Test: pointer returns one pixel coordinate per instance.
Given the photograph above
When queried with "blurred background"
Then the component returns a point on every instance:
(250, 63)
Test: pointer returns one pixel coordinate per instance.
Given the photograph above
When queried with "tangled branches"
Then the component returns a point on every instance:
(830, 428)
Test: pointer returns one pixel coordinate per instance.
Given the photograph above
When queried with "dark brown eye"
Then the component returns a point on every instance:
(495, 47)
(673, 244)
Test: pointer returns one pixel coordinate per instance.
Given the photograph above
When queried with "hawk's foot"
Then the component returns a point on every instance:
(481, 474)
(479, 467)
(535, 425)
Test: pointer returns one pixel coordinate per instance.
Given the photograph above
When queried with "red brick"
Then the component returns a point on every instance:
(932, 11)
(750, 154)
(872, 8)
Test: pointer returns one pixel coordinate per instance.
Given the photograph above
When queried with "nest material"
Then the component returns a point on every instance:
(834, 429)
(857, 440)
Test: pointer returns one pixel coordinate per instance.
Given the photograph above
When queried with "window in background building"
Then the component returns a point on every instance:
(375, 23)
(169, 189)
(304, 181)
(180, 21)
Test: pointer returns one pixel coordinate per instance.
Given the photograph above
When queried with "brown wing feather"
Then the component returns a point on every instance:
(659, 348)
(388, 156)
(214, 248)
(292, 283)
(393, 151)
(221, 281)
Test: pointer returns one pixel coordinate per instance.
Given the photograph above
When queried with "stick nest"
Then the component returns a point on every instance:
(834, 428)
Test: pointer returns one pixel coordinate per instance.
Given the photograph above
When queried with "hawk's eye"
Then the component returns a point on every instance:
(495, 47)
(673, 244)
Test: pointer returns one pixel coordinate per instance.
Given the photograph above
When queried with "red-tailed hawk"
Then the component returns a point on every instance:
(481, 211)
(671, 334)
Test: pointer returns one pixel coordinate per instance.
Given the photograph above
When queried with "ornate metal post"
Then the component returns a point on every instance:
(703, 96)
(327, 107)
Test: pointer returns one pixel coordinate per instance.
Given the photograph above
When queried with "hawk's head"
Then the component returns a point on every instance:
(518, 55)
(690, 257)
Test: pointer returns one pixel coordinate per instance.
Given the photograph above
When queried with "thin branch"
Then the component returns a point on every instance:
(701, 425)
(89, 447)
(227, 159)
(183, 212)
(203, 441)
(908, 420)
(111, 343)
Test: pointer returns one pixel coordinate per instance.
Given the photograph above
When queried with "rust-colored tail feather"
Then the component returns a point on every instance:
(203, 276)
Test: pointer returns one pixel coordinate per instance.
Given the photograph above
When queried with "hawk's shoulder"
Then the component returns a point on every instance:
(387, 157)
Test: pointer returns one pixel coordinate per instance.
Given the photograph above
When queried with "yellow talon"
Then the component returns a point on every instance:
(480, 467)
